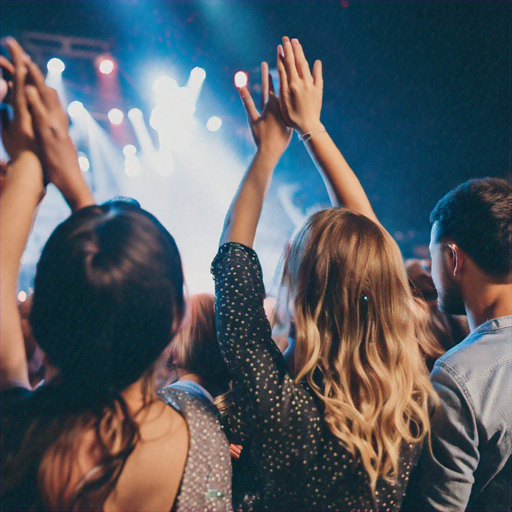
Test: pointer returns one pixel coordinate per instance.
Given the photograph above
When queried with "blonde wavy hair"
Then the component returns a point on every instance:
(356, 343)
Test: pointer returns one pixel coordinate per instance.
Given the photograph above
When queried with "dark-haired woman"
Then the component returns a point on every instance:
(108, 299)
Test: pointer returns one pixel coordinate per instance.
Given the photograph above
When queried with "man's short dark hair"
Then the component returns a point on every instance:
(476, 215)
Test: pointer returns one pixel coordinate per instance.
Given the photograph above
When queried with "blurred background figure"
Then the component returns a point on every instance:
(440, 332)
(195, 360)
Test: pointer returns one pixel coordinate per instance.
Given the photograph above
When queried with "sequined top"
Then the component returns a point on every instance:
(300, 464)
(206, 482)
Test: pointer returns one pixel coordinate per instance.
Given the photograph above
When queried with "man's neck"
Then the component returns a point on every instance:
(489, 302)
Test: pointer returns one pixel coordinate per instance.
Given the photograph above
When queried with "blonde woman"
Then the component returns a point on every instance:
(341, 425)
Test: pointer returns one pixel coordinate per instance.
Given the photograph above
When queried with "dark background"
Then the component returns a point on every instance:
(417, 94)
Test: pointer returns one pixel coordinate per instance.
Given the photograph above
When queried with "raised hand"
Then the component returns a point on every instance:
(300, 91)
(17, 132)
(56, 149)
(300, 96)
(271, 136)
(269, 130)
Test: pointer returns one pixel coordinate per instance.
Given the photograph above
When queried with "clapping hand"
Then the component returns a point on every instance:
(269, 129)
(300, 91)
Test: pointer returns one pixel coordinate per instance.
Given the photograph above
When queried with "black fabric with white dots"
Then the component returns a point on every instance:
(299, 464)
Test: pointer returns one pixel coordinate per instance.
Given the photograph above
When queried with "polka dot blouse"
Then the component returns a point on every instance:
(298, 463)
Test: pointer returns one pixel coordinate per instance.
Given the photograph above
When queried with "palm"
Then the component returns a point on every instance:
(268, 129)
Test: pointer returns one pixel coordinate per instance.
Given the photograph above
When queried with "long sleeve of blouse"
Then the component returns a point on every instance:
(281, 418)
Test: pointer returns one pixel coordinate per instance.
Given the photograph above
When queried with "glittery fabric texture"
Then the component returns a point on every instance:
(301, 465)
(206, 482)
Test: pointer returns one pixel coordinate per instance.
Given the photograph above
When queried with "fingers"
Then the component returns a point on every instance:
(317, 74)
(19, 78)
(235, 450)
(248, 102)
(6, 64)
(7, 72)
(48, 95)
(264, 84)
(289, 60)
(300, 60)
(37, 107)
(281, 71)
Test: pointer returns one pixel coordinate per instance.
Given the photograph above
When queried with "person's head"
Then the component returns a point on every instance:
(108, 295)
(421, 279)
(471, 228)
(195, 349)
(355, 341)
(108, 299)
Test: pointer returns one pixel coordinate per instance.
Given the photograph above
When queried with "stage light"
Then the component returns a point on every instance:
(164, 85)
(135, 113)
(132, 165)
(22, 296)
(153, 118)
(115, 116)
(83, 162)
(129, 150)
(198, 74)
(106, 65)
(75, 108)
(241, 79)
(55, 66)
(214, 123)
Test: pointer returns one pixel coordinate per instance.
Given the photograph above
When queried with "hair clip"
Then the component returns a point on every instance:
(364, 302)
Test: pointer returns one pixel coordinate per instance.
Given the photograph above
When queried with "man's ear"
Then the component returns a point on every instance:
(456, 259)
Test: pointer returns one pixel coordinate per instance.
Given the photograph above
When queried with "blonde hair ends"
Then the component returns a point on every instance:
(356, 342)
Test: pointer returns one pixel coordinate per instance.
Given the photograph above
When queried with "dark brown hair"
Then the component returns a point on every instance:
(108, 298)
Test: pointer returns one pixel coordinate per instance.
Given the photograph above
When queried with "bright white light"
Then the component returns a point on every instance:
(129, 150)
(153, 118)
(198, 74)
(135, 113)
(115, 116)
(132, 165)
(55, 66)
(83, 162)
(106, 65)
(241, 79)
(214, 123)
(22, 296)
(164, 85)
(75, 108)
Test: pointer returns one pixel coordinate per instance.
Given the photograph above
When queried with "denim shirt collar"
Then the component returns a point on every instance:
(493, 325)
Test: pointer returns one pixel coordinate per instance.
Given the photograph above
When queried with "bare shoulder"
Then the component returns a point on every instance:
(151, 478)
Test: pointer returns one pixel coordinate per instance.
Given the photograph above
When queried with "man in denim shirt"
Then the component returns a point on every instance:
(468, 467)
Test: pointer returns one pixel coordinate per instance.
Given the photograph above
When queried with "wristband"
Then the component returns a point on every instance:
(307, 136)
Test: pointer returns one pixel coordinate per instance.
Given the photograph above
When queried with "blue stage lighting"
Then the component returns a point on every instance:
(55, 66)
(129, 150)
(214, 123)
(83, 162)
(135, 113)
(241, 79)
(115, 116)
(75, 108)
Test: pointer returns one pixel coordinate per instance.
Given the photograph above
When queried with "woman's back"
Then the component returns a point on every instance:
(180, 462)
(298, 460)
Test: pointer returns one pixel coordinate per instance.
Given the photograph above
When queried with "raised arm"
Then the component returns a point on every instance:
(271, 136)
(37, 133)
(55, 147)
(300, 98)
(22, 189)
